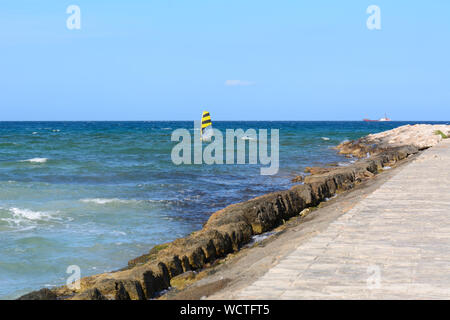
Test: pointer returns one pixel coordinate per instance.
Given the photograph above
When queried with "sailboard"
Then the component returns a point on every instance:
(206, 130)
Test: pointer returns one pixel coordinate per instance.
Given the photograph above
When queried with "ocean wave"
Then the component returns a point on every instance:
(29, 214)
(35, 160)
(119, 233)
(116, 201)
(344, 164)
(107, 200)
(8, 144)
(325, 138)
(26, 217)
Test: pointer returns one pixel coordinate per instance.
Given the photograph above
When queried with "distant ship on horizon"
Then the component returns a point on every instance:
(379, 120)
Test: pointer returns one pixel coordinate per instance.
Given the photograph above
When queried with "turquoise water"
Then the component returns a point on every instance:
(96, 194)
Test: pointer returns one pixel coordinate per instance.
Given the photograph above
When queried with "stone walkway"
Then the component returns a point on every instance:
(395, 244)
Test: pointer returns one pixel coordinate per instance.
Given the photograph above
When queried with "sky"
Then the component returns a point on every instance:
(238, 59)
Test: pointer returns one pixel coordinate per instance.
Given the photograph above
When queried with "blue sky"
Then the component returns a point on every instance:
(241, 60)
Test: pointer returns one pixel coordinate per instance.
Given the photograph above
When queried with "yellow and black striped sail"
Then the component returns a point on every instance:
(206, 123)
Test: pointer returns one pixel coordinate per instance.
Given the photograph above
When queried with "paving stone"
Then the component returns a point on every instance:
(394, 244)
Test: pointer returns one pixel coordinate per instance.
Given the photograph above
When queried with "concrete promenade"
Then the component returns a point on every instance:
(395, 244)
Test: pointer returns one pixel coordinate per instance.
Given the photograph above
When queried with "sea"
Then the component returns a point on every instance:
(97, 194)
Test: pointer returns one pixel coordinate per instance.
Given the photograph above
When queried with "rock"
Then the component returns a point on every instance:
(262, 213)
(155, 282)
(149, 256)
(316, 170)
(89, 294)
(298, 179)
(121, 292)
(183, 280)
(420, 136)
(133, 290)
(43, 294)
(140, 260)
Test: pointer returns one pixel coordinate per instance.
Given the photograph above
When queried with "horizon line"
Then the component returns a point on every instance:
(220, 120)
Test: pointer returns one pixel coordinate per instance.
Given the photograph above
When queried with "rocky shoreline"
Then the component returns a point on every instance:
(227, 230)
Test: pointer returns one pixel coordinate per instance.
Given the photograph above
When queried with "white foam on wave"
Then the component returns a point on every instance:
(27, 218)
(36, 160)
(121, 201)
(22, 229)
(343, 164)
(120, 233)
(325, 138)
(107, 200)
(260, 237)
(29, 214)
